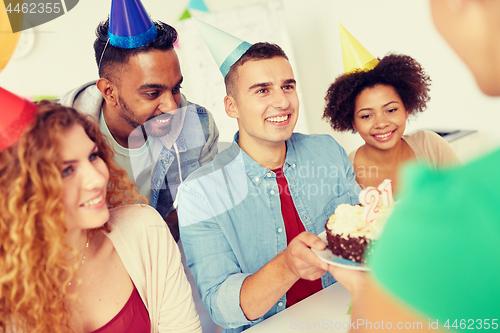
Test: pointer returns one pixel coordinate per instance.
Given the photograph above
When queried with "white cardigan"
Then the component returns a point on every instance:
(153, 261)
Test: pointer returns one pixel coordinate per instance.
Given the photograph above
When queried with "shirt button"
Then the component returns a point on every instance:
(269, 174)
(272, 192)
(256, 179)
(293, 165)
(280, 230)
(280, 303)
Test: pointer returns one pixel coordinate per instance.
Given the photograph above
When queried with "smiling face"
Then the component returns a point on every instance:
(266, 103)
(147, 93)
(85, 178)
(380, 116)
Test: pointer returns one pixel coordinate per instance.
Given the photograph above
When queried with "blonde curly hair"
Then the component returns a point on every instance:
(34, 271)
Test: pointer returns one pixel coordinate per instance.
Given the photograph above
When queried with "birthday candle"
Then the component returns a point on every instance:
(385, 189)
(369, 198)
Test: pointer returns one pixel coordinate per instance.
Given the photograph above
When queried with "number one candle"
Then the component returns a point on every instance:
(369, 198)
(385, 189)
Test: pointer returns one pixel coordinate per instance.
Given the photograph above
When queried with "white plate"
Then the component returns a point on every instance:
(327, 256)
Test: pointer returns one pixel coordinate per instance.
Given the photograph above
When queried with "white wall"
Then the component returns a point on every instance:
(62, 57)
(385, 26)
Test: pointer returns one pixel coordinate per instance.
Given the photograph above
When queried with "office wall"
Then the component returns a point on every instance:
(62, 57)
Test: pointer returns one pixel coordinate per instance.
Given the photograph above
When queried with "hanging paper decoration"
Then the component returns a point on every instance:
(198, 5)
(185, 15)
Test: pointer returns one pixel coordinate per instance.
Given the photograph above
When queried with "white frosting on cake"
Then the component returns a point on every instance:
(347, 221)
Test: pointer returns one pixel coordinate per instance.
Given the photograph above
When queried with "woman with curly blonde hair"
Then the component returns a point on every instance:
(376, 103)
(73, 256)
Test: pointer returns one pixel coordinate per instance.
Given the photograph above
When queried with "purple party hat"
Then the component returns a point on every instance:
(130, 25)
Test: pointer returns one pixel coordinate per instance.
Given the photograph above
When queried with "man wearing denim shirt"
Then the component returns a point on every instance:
(158, 135)
(249, 218)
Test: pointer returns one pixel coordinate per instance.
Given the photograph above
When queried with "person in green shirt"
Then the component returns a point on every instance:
(437, 264)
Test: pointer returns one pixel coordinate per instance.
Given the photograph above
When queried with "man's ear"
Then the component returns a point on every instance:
(230, 106)
(108, 91)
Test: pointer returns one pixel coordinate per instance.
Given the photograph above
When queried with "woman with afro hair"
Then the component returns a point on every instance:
(376, 104)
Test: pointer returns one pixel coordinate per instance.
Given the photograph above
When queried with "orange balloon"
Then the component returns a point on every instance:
(8, 39)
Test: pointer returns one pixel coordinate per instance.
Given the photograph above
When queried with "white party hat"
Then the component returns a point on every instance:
(225, 48)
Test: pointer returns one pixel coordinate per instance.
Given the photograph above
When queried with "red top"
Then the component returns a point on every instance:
(132, 318)
(293, 226)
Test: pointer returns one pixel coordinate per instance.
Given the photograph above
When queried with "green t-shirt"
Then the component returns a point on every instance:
(440, 250)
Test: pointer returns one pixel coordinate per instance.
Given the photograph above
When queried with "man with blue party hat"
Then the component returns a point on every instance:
(158, 135)
(250, 217)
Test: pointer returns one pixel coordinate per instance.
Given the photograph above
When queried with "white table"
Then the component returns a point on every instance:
(324, 311)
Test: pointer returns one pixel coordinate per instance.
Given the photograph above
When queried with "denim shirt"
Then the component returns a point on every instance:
(196, 145)
(231, 222)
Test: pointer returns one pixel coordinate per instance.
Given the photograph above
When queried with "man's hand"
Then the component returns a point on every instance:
(352, 280)
(260, 291)
(301, 261)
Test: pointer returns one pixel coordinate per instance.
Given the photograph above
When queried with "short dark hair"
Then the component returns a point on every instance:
(258, 51)
(165, 40)
(401, 72)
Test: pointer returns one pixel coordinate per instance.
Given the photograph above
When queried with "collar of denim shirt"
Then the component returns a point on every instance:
(256, 172)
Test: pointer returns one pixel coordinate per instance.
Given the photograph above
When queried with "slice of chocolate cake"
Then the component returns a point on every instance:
(349, 234)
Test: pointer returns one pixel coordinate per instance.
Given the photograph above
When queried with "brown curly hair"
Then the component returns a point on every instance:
(402, 72)
(34, 271)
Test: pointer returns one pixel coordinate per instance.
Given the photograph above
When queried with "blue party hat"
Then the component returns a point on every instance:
(130, 25)
(225, 48)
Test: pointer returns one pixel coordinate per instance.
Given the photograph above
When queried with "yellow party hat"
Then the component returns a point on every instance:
(354, 55)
